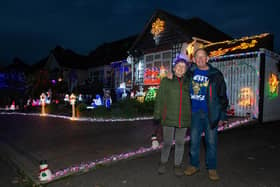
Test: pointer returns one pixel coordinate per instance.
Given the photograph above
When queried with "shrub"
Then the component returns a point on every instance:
(81, 107)
(128, 108)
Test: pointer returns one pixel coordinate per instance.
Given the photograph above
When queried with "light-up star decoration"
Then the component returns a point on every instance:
(157, 28)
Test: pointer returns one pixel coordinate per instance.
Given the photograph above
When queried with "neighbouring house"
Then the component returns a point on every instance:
(110, 65)
(13, 81)
(63, 66)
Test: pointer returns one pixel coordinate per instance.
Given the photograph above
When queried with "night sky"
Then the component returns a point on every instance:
(30, 29)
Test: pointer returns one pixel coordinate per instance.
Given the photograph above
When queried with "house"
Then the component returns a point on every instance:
(63, 66)
(13, 82)
(162, 39)
(110, 65)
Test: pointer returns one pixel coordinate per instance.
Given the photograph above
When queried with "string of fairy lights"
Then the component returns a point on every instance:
(88, 119)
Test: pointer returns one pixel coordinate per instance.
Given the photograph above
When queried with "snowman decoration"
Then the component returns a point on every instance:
(12, 107)
(80, 98)
(66, 98)
(155, 143)
(45, 173)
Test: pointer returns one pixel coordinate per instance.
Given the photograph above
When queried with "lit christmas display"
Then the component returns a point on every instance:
(246, 97)
(45, 173)
(13, 106)
(273, 86)
(107, 100)
(157, 28)
(72, 102)
(66, 98)
(151, 94)
(155, 143)
(243, 45)
(97, 101)
(230, 46)
(140, 95)
(81, 118)
(80, 98)
(43, 103)
(228, 42)
(151, 76)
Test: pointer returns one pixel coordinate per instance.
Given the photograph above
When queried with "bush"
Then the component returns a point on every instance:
(52, 108)
(127, 108)
(81, 107)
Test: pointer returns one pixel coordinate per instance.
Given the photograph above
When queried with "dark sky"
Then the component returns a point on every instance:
(30, 28)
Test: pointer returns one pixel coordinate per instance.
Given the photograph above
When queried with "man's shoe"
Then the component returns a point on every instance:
(162, 168)
(178, 170)
(191, 170)
(213, 175)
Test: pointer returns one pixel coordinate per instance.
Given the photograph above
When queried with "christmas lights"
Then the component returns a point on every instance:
(157, 27)
(273, 85)
(88, 119)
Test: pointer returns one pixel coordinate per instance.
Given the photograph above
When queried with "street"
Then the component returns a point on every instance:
(247, 156)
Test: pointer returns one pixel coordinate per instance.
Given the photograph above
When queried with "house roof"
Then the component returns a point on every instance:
(65, 58)
(107, 53)
(70, 59)
(178, 30)
(242, 45)
(17, 65)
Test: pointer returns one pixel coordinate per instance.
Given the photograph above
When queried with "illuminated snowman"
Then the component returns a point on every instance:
(80, 98)
(155, 142)
(66, 98)
(45, 173)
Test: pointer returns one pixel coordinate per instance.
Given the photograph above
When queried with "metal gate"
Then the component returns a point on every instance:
(241, 73)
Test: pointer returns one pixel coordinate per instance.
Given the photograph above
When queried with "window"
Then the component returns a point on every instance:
(166, 55)
(149, 58)
(157, 65)
(157, 56)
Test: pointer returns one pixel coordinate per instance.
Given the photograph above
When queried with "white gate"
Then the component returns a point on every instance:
(241, 73)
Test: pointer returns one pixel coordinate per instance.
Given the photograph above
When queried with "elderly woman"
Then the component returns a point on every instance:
(173, 110)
